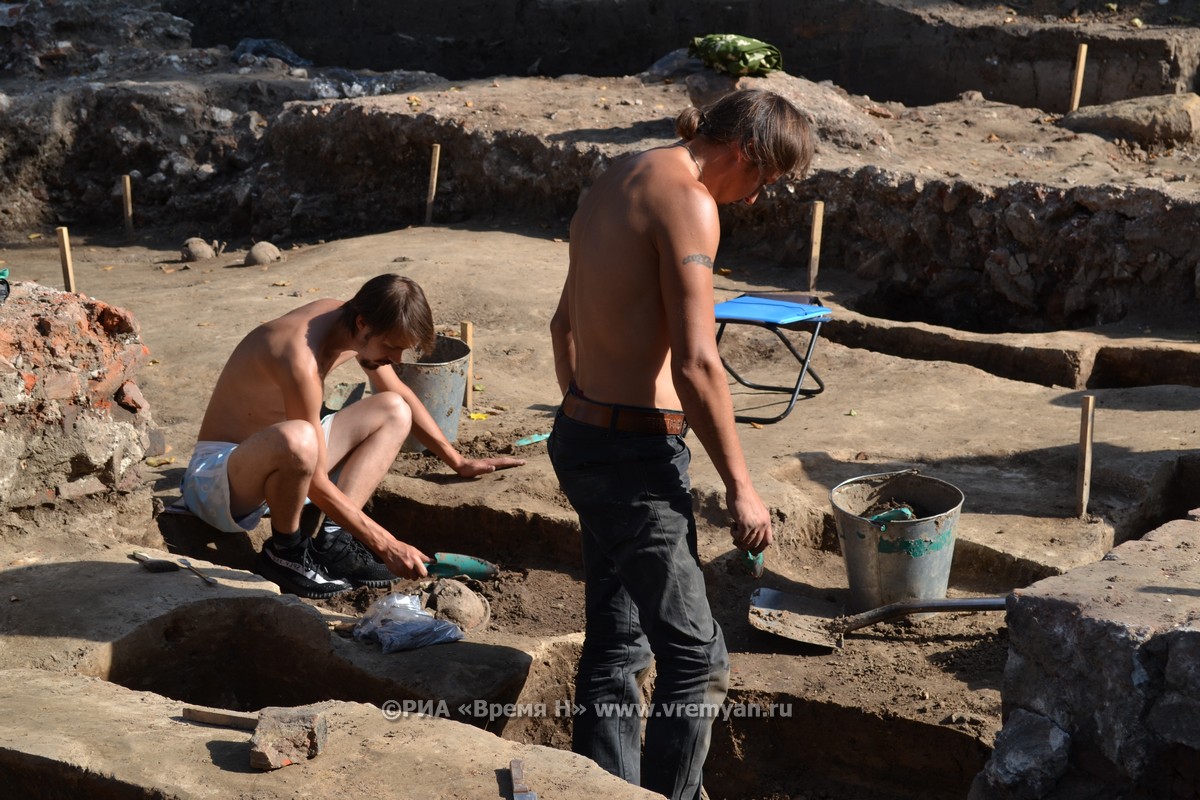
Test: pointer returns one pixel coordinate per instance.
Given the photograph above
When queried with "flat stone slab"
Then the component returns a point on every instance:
(106, 616)
(93, 736)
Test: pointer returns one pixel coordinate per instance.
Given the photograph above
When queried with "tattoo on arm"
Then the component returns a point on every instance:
(698, 258)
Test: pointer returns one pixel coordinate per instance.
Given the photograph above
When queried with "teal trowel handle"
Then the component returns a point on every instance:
(450, 565)
(753, 563)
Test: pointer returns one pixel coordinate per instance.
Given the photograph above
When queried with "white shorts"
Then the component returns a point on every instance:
(205, 485)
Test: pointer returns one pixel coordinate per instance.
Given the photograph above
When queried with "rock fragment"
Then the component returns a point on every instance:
(1163, 120)
(286, 736)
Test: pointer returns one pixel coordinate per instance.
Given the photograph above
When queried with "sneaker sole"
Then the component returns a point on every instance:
(379, 584)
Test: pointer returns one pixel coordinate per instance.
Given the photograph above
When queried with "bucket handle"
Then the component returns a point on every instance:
(881, 477)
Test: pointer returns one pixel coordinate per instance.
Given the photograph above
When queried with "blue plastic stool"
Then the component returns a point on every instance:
(776, 314)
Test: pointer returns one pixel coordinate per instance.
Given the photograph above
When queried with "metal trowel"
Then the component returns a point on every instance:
(154, 564)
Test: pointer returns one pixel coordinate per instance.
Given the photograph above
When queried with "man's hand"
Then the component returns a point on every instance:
(405, 560)
(474, 467)
(751, 528)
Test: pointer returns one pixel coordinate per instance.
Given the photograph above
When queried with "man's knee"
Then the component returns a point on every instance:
(298, 441)
(394, 409)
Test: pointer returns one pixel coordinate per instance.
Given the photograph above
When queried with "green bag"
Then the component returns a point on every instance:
(736, 55)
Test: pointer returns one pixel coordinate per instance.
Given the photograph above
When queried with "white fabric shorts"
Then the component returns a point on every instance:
(205, 485)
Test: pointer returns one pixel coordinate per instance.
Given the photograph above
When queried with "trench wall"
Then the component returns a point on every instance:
(964, 254)
(889, 49)
(1019, 257)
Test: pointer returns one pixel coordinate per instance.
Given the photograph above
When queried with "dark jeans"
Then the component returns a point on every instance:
(645, 600)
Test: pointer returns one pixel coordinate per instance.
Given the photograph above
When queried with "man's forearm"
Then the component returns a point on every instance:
(704, 396)
(564, 367)
(563, 344)
(340, 509)
(424, 427)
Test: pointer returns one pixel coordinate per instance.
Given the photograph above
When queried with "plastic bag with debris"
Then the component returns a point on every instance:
(736, 55)
(398, 623)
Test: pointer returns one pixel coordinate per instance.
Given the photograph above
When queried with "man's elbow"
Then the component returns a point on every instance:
(696, 370)
(560, 326)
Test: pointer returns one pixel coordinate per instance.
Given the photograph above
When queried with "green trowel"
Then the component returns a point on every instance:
(453, 565)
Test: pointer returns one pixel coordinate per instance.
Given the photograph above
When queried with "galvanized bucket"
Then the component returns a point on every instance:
(439, 380)
(892, 560)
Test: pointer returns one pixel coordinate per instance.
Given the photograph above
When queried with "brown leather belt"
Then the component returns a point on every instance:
(624, 418)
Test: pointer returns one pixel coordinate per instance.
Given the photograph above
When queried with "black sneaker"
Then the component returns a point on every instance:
(295, 572)
(342, 556)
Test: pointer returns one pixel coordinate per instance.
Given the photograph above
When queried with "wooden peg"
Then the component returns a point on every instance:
(64, 254)
(814, 243)
(1077, 86)
(127, 194)
(433, 175)
(1084, 483)
(467, 333)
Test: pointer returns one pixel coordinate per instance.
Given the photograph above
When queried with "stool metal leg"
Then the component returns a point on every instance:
(795, 391)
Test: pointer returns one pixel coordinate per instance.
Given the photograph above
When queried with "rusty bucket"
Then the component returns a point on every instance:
(439, 380)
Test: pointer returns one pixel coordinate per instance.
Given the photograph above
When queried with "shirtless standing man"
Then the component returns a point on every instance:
(263, 443)
(634, 339)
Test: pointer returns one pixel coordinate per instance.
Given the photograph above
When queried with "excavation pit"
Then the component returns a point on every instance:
(1068, 239)
(951, 674)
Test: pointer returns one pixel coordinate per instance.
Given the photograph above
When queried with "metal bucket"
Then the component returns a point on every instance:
(439, 381)
(897, 560)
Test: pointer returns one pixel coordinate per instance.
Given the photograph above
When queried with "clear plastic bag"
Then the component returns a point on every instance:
(398, 622)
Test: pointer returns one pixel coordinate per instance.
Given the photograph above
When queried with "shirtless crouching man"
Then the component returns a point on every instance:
(263, 443)
(634, 339)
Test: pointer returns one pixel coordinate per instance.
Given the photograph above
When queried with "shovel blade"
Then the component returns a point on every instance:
(803, 619)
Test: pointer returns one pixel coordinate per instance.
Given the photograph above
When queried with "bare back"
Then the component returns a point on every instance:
(640, 220)
(292, 350)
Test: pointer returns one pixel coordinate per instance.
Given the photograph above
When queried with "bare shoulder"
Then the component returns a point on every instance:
(684, 209)
(289, 338)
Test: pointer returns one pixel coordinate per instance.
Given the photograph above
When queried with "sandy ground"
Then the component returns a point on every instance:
(879, 412)
(505, 277)
(1008, 444)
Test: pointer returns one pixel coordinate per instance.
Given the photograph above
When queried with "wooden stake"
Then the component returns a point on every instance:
(64, 253)
(814, 243)
(127, 192)
(467, 333)
(1077, 87)
(433, 171)
(1084, 484)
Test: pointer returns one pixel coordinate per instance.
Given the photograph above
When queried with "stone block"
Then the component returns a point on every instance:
(1033, 754)
(1160, 120)
(1108, 654)
(129, 397)
(286, 736)
(81, 488)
